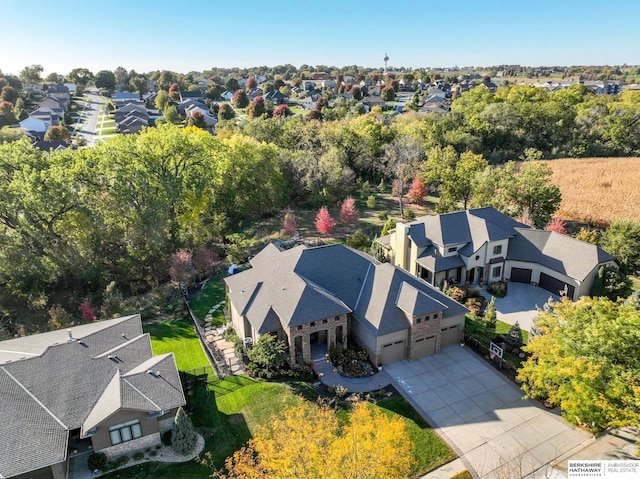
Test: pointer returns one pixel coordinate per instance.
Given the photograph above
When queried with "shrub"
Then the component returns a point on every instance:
(497, 288)
(121, 461)
(409, 215)
(359, 240)
(514, 338)
(153, 453)
(383, 216)
(473, 305)
(97, 460)
(166, 437)
(138, 456)
(457, 294)
(185, 437)
(371, 201)
(339, 390)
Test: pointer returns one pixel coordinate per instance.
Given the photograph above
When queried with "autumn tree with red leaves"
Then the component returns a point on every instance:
(181, 270)
(290, 224)
(88, 312)
(417, 192)
(348, 211)
(557, 225)
(256, 108)
(282, 111)
(240, 99)
(174, 91)
(315, 115)
(251, 83)
(324, 222)
(203, 259)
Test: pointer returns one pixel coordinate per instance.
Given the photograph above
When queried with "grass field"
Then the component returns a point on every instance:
(597, 190)
(212, 294)
(180, 338)
(230, 416)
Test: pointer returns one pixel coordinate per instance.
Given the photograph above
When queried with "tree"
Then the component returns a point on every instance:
(88, 312)
(557, 225)
(490, 314)
(54, 78)
(112, 302)
(315, 114)
(139, 84)
(587, 361)
(251, 83)
(162, 100)
(622, 240)
(7, 115)
(171, 115)
(121, 75)
(416, 101)
(57, 133)
(80, 76)
(256, 108)
(9, 134)
(402, 155)
(324, 222)
(184, 437)
(59, 318)
(232, 84)
(611, 283)
(10, 94)
(388, 94)
(417, 192)
(181, 270)
(534, 193)
(226, 112)
(307, 441)
(290, 224)
(174, 91)
(268, 352)
(514, 337)
(197, 120)
(348, 211)
(240, 99)
(204, 259)
(588, 235)
(105, 79)
(31, 74)
(282, 111)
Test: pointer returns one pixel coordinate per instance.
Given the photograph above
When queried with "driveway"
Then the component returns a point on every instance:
(521, 304)
(482, 415)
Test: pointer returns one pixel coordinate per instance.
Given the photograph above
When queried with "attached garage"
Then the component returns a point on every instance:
(554, 285)
(449, 336)
(424, 347)
(520, 275)
(392, 352)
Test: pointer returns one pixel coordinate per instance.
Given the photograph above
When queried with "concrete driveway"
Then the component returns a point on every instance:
(482, 415)
(521, 304)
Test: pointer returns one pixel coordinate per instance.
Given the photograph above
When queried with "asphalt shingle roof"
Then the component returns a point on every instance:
(51, 384)
(301, 285)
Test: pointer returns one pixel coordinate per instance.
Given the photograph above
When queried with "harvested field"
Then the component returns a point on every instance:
(597, 190)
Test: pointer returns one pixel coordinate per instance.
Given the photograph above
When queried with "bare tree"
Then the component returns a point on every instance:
(403, 157)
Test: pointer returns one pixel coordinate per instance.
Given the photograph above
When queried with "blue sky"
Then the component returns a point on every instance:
(195, 35)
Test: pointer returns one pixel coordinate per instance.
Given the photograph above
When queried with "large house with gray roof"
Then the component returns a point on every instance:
(483, 245)
(315, 298)
(95, 386)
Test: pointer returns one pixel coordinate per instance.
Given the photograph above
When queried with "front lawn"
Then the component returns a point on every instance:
(179, 337)
(237, 404)
(211, 294)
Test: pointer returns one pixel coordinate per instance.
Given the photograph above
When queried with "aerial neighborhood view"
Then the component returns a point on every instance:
(329, 241)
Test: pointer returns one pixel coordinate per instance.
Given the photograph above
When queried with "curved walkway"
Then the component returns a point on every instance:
(329, 377)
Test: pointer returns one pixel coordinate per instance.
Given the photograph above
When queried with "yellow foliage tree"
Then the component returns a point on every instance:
(307, 442)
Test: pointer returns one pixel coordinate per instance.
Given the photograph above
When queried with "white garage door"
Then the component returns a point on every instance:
(449, 336)
(392, 352)
(424, 347)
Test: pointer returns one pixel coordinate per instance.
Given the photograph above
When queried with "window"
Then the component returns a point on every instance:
(497, 271)
(418, 320)
(453, 249)
(125, 432)
(324, 321)
(299, 327)
(497, 249)
(312, 324)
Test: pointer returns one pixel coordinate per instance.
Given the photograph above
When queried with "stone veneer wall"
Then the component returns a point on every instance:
(304, 331)
(132, 446)
(422, 330)
(165, 424)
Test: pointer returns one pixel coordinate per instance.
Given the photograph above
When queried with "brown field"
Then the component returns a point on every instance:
(597, 190)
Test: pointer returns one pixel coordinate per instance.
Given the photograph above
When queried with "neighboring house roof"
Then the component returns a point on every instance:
(35, 124)
(52, 145)
(559, 252)
(434, 261)
(193, 95)
(121, 96)
(300, 285)
(131, 106)
(61, 380)
(189, 103)
(59, 88)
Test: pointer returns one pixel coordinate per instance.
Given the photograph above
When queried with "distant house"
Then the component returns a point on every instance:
(35, 127)
(277, 98)
(484, 245)
(182, 107)
(124, 111)
(209, 119)
(55, 145)
(97, 386)
(228, 95)
(47, 115)
(328, 84)
(197, 95)
(132, 125)
(121, 98)
(71, 87)
(254, 93)
(317, 298)
(371, 101)
(53, 105)
(60, 93)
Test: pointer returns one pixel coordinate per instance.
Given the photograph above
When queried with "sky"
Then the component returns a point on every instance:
(195, 35)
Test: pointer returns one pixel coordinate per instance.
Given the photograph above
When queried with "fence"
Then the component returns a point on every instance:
(218, 363)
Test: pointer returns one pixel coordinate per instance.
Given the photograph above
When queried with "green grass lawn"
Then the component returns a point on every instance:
(212, 294)
(635, 283)
(106, 131)
(503, 328)
(237, 405)
(180, 338)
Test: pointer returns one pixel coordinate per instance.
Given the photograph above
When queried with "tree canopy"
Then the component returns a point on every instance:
(586, 359)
